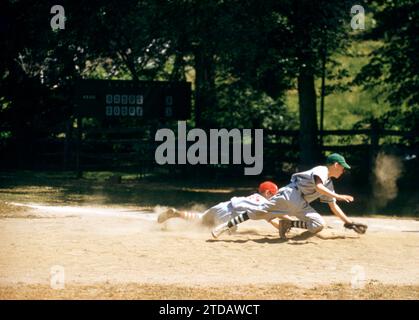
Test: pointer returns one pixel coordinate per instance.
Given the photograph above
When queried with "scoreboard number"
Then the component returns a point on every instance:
(141, 99)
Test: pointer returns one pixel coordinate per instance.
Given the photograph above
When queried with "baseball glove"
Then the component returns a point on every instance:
(357, 227)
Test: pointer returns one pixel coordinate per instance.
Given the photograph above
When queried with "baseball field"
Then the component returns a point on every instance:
(58, 243)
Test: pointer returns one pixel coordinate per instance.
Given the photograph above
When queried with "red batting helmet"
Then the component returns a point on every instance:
(268, 185)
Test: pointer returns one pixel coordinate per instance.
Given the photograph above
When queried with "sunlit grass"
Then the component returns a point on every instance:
(343, 109)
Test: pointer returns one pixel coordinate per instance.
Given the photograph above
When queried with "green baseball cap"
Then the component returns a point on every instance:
(336, 157)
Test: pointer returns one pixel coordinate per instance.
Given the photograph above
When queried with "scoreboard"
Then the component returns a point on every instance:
(133, 99)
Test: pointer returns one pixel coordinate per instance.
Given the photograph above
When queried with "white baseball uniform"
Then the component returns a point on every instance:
(294, 199)
(227, 210)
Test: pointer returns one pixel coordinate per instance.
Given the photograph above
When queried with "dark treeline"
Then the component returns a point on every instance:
(242, 57)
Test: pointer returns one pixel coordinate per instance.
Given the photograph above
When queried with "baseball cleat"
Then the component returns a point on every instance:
(169, 213)
(217, 231)
(284, 227)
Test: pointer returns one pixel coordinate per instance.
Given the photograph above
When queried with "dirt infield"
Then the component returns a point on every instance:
(121, 252)
(175, 292)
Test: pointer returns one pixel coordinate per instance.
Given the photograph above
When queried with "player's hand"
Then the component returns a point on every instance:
(345, 197)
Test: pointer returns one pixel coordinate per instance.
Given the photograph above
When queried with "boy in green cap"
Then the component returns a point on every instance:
(295, 198)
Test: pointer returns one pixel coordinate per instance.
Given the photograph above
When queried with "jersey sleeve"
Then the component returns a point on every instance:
(322, 173)
(326, 199)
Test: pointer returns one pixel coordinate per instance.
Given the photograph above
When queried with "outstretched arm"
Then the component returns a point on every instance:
(326, 192)
(338, 212)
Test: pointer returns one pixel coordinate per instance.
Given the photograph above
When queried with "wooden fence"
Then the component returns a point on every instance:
(129, 149)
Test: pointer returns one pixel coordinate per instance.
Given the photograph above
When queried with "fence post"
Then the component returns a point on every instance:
(67, 143)
(78, 148)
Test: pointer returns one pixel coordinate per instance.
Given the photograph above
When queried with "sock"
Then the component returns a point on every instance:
(299, 224)
(239, 219)
(190, 216)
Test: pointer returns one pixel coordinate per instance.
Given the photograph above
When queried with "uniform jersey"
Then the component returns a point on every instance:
(306, 183)
(294, 199)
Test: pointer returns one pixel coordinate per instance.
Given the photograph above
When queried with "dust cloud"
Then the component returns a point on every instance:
(387, 170)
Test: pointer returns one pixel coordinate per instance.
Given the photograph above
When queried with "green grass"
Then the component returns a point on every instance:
(343, 109)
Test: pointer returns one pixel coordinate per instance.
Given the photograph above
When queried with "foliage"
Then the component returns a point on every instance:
(394, 66)
(243, 57)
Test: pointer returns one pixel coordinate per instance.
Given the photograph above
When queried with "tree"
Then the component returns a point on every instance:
(394, 67)
(314, 25)
(276, 45)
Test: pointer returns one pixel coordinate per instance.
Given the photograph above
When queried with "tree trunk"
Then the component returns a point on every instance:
(205, 97)
(308, 119)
